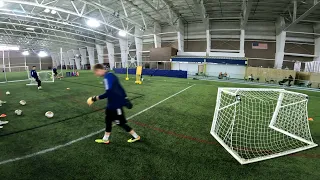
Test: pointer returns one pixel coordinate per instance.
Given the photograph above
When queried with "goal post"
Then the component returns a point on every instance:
(255, 124)
(14, 74)
(44, 76)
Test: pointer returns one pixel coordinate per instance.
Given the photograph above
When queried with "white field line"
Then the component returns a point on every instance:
(87, 136)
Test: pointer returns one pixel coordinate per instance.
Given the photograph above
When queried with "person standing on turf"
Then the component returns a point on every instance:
(55, 71)
(34, 74)
(117, 99)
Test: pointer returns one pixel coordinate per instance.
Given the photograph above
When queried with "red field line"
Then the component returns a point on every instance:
(182, 136)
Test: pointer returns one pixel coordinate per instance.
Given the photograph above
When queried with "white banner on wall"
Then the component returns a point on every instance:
(71, 57)
(124, 51)
(66, 58)
(313, 66)
(100, 53)
(297, 66)
(110, 47)
(83, 53)
(76, 54)
(55, 60)
(91, 56)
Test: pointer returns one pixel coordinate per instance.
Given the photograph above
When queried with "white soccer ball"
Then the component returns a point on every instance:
(23, 102)
(18, 112)
(49, 114)
(7, 93)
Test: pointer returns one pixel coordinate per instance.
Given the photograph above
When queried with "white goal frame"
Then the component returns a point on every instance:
(34, 83)
(10, 71)
(234, 92)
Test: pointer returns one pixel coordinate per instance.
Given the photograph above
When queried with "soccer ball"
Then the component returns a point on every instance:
(18, 112)
(23, 102)
(7, 93)
(49, 114)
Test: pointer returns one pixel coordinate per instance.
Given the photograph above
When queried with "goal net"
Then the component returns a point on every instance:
(44, 76)
(259, 124)
(14, 74)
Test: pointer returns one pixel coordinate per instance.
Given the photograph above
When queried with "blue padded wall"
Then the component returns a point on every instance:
(154, 72)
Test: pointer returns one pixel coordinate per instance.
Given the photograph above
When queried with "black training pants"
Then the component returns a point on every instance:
(118, 117)
(38, 81)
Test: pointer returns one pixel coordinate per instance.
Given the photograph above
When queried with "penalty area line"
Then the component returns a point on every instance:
(87, 136)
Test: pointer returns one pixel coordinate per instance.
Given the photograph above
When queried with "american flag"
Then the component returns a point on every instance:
(256, 45)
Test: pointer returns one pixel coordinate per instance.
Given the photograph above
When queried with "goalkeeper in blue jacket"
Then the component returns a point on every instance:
(117, 99)
(34, 74)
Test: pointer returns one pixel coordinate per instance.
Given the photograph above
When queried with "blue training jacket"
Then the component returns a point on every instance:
(114, 92)
(34, 73)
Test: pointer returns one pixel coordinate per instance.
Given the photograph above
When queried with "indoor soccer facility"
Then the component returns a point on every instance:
(159, 89)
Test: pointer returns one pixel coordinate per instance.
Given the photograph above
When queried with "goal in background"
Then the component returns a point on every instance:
(14, 74)
(44, 76)
(258, 124)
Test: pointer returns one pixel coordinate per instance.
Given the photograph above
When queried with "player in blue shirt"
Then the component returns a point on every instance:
(34, 74)
(117, 99)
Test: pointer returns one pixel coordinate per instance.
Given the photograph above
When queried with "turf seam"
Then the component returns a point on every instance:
(101, 87)
(60, 121)
(86, 136)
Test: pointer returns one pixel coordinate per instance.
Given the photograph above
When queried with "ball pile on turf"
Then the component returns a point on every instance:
(18, 112)
(49, 114)
(23, 102)
(7, 93)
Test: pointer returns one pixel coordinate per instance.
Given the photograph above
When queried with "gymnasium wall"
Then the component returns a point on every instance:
(162, 54)
(173, 44)
(299, 48)
(225, 44)
(195, 46)
(262, 32)
(212, 69)
(17, 59)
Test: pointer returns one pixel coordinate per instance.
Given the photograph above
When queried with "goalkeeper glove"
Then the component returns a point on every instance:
(91, 100)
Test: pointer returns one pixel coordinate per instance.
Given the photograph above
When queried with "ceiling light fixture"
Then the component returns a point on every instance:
(42, 54)
(1, 3)
(93, 23)
(47, 10)
(25, 53)
(122, 33)
(30, 29)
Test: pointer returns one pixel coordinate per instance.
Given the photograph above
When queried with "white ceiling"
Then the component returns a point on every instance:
(67, 28)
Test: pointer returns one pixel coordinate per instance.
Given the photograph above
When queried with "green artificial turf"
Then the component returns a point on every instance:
(176, 140)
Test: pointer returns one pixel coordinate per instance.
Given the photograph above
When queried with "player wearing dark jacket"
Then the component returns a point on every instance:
(34, 74)
(117, 99)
